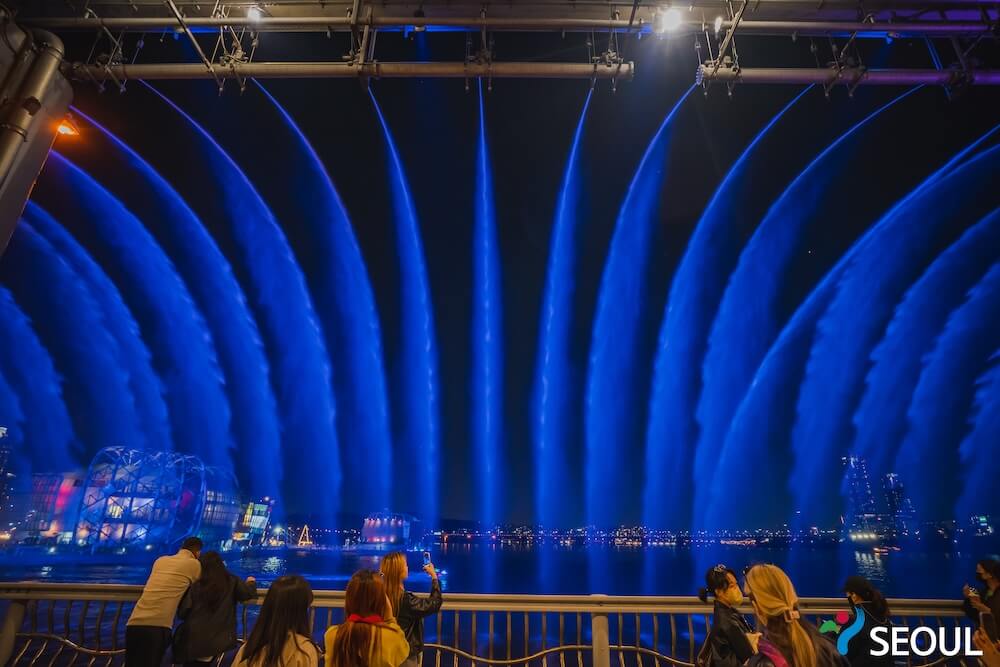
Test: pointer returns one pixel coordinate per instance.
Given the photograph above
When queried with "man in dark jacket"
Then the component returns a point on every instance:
(413, 609)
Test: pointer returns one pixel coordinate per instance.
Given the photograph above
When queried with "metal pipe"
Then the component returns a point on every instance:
(514, 24)
(28, 101)
(850, 76)
(194, 42)
(388, 70)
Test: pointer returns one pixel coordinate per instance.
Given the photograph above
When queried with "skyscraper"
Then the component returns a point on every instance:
(861, 516)
(899, 509)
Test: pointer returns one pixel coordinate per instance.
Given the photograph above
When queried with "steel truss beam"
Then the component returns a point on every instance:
(851, 76)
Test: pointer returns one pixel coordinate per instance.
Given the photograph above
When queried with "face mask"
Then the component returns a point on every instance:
(981, 577)
(734, 596)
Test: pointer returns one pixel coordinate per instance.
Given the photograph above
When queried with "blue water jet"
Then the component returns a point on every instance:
(171, 324)
(144, 384)
(978, 495)
(617, 339)
(344, 300)
(749, 316)
(418, 427)
(12, 437)
(880, 420)
(697, 288)
(487, 330)
(95, 384)
(219, 298)
(761, 428)
(553, 394)
(28, 370)
(300, 366)
(848, 332)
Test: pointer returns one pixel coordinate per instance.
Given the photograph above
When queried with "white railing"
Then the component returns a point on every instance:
(55, 624)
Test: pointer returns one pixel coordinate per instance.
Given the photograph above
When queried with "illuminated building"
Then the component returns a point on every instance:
(861, 519)
(899, 509)
(154, 499)
(255, 517)
(386, 529)
(51, 509)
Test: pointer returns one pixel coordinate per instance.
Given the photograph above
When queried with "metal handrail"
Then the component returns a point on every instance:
(46, 621)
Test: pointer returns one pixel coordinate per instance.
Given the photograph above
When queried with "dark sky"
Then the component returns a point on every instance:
(530, 126)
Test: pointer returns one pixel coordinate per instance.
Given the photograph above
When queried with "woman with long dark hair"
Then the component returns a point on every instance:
(870, 606)
(369, 635)
(281, 635)
(730, 642)
(410, 610)
(208, 612)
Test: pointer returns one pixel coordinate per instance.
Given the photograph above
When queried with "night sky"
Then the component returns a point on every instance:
(530, 126)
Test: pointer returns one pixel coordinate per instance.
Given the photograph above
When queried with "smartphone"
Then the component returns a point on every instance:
(989, 625)
(427, 558)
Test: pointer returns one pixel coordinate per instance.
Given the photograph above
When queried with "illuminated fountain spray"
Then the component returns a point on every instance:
(182, 346)
(418, 446)
(346, 306)
(695, 292)
(219, 298)
(614, 370)
(487, 340)
(144, 384)
(281, 304)
(95, 384)
(554, 396)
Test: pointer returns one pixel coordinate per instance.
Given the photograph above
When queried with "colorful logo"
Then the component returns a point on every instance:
(851, 631)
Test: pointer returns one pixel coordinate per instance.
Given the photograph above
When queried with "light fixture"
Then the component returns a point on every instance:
(419, 14)
(718, 24)
(667, 20)
(67, 128)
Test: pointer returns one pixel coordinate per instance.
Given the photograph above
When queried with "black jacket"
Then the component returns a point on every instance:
(728, 638)
(412, 612)
(859, 649)
(206, 631)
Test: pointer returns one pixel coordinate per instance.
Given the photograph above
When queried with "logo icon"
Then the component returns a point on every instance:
(851, 631)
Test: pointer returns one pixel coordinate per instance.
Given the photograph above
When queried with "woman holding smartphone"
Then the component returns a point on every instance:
(410, 610)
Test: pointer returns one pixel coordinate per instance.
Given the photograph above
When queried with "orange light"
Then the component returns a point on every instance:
(66, 128)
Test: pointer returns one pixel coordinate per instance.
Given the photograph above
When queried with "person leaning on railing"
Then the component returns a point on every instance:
(147, 633)
(865, 599)
(987, 600)
(410, 610)
(369, 635)
(208, 613)
(730, 642)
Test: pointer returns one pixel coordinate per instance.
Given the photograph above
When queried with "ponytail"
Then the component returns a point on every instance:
(803, 650)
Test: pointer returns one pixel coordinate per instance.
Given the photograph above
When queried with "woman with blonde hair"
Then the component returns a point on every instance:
(369, 635)
(409, 609)
(788, 639)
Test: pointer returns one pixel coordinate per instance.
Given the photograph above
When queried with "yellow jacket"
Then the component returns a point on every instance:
(393, 647)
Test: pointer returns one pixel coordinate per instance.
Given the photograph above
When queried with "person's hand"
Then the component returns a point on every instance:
(431, 572)
(251, 579)
(980, 606)
(990, 656)
(754, 639)
(967, 591)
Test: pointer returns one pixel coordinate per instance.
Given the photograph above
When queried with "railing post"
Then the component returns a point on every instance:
(599, 636)
(8, 631)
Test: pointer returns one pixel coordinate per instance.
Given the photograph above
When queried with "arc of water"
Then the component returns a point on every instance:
(749, 311)
(896, 362)
(617, 338)
(695, 293)
(209, 278)
(170, 321)
(95, 382)
(487, 330)
(553, 395)
(346, 306)
(300, 365)
(145, 385)
(419, 425)
(977, 496)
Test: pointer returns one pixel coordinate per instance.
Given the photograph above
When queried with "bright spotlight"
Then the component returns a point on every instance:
(255, 13)
(667, 20)
(718, 24)
(67, 129)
